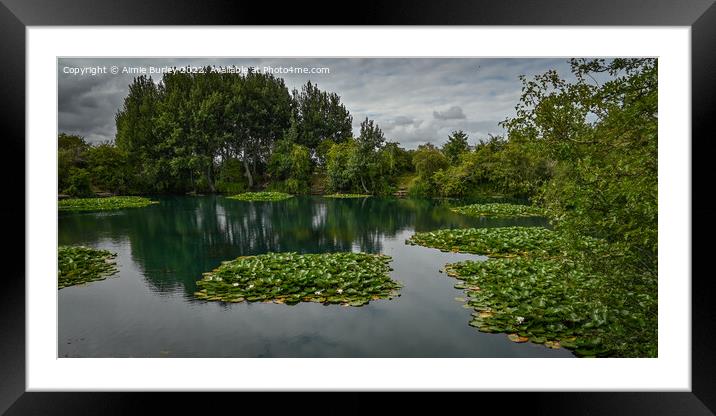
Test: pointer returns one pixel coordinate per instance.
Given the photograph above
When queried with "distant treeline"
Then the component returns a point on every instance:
(219, 132)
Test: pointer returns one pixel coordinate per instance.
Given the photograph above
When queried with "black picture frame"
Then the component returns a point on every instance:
(15, 15)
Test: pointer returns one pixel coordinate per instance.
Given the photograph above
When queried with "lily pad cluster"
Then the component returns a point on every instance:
(545, 301)
(543, 287)
(104, 204)
(500, 241)
(261, 196)
(500, 210)
(79, 264)
(346, 196)
(350, 279)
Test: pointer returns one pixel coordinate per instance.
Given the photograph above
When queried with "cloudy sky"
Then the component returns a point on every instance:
(413, 100)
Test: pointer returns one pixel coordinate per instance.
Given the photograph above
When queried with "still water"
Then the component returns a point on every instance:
(148, 310)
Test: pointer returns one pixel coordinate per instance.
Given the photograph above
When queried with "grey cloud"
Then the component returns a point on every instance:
(452, 113)
(403, 121)
(413, 100)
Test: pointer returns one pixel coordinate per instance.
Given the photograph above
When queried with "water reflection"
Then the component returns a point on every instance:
(177, 240)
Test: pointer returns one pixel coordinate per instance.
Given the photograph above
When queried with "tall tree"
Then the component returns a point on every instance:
(456, 146)
(262, 110)
(370, 141)
(320, 116)
(170, 164)
(135, 124)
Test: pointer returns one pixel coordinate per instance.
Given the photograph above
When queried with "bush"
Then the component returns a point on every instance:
(420, 187)
(231, 179)
(230, 187)
(450, 182)
(79, 184)
(428, 159)
(109, 168)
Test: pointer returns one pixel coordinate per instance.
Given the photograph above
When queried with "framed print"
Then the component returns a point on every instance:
(397, 207)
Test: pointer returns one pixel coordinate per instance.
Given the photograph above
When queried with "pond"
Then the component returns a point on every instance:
(148, 309)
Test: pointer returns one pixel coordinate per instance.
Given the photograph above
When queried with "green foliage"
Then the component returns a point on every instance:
(231, 179)
(450, 182)
(71, 153)
(77, 265)
(78, 183)
(136, 123)
(456, 146)
(290, 167)
(320, 116)
(104, 204)
(499, 210)
(174, 132)
(350, 279)
(603, 141)
(365, 165)
(394, 160)
(420, 187)
(261, 196)
(428, 159)
(109, 168)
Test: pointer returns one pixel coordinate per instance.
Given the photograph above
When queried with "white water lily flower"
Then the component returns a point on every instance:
(251, 286)
(520, 319)
(235, 284)
(318, 292)
(339, 291)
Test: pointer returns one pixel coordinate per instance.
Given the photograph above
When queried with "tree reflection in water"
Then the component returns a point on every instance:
(177, 240)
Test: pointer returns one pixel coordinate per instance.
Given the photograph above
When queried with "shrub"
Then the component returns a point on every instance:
(79, 184)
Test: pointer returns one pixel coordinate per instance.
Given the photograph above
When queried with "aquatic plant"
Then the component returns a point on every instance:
(501, 241)
(79, 264)
(351, 279)
(558, 303)
(346, 196)
(261, 196)
(499, 210)
(541, 286)
(104, 204)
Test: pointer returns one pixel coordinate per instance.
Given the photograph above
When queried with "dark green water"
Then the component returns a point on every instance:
(147, 309)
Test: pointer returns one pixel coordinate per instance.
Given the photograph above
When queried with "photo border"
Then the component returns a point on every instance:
(16, 15)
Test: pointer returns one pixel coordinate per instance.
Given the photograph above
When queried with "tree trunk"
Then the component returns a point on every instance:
(209, 177)
(248, 173)
(363, 184)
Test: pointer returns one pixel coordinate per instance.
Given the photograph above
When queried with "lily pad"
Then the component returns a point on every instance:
(500, 241)
(352, 279)
(500, 210)
(517, 338)
(347, 196)
(104, 204)
(261, 196)
(79, 264)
